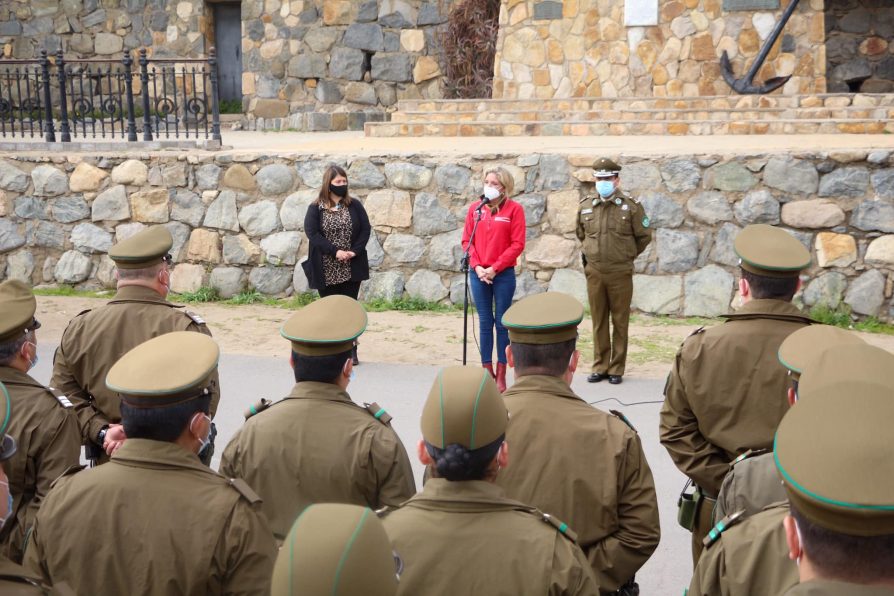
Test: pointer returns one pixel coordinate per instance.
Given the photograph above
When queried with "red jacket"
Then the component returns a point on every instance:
(500, 237)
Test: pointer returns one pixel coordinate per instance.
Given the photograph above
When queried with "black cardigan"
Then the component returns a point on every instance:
(320, 245)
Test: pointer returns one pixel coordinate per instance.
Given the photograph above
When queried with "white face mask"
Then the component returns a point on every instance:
(204, 442)
(800, 545)
(492, 193)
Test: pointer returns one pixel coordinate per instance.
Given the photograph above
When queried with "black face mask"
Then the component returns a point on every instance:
(339, 190)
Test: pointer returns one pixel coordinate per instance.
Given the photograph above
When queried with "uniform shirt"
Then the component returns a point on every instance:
(586, 467)
(46, 432)
(95, 339)
(500, 237)
(750, 486)
(318, 446)
(613, 231)
(726, 392)
(749, 558)
(153, 521)
(16, 581)
(497, 546)
(824, 587)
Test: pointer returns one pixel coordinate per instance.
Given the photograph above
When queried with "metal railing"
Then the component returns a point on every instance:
(108, 98)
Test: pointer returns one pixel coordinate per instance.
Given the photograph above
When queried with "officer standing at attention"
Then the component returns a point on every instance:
(573, 460)
(95, 339)
(724, 393)
(335, 548)
(463, 430)
(155, 520)
(44, 427)
(613, 229)
(316, 445)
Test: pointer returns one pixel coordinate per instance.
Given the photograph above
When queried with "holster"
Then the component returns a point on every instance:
(631, 588)
(688, 504)
(93, 452)
(208, 452)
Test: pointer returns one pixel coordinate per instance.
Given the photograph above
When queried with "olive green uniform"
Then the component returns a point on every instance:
(95, 339)
(613, 232)
(750, 486)
(318, 446)
(49, 442)
(482, 528)
(16, 581)
(154, 521)
(725, 395)
(747, 559)
(588, 468)
(823, 587)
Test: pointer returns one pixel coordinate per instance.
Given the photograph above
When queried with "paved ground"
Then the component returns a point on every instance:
(402, 389)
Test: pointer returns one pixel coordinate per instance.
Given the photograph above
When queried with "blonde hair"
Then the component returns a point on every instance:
(505, 179)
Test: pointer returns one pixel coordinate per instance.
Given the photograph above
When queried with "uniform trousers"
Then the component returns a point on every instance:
(609, 294)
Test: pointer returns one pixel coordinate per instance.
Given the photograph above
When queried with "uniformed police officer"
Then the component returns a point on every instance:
(463, 430)
(724, 393)
(745, 553)
(337, 450)
(336, 549)
(44, 427)
(155, 520)
(97, 338)
(573, 460)
(613, 229)
(14, 579)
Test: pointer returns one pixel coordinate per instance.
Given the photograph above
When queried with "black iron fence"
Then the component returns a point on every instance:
(109, 99)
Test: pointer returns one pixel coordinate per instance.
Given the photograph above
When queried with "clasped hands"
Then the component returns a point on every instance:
(344, 255)
(485, 275)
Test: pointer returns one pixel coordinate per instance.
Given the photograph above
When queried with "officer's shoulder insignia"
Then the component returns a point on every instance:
(384, 511)
(749, 453)
(617, 200)
(378, 412)
(722, 526)
(69, 472)
(257, 407)
(623, 419)
(559, 525)
(245, 490)
(61, 397)
(586, 198)
(195, 317)
(646, 221)
(83, 312)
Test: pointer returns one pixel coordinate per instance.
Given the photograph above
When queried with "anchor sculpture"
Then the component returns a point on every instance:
(746, 85)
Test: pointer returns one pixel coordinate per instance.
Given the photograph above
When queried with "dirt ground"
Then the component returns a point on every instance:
(399, 337)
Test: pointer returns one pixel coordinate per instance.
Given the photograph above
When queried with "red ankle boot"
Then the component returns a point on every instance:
(489, 368)
(501, 377)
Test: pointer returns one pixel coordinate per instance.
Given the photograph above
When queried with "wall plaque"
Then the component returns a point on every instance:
(547, 10)
(641, 13)
(750, 4)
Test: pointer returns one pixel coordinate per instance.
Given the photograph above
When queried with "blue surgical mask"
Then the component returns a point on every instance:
(33, 363)
(353, 375)
(605, 188)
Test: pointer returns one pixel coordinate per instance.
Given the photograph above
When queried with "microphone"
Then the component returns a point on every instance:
(484, 201)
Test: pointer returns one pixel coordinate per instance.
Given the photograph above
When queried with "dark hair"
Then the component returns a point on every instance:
(545, 359)
(766, 287)
(843, 557)
(456, 463)
(143, 273)
(161, 424)
(322, 369)
(9, 349)
(331, 171)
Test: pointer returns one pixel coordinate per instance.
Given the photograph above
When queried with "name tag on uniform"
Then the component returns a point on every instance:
(503, 219)
(586, 211)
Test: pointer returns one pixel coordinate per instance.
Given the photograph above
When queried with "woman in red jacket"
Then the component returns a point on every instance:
(498, 242)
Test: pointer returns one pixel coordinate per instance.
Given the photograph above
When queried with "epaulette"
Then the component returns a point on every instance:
(61, 397)
(723, 525)
(561, 526)
(697, 331)
(746, 455)
(384, 511)
(83, 312)
(378, 412)
(623, 419)
(244, 489)
(195, 318)
(69, 472)
(260, 406)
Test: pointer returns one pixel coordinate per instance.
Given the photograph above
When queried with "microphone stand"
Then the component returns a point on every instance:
(464, 267)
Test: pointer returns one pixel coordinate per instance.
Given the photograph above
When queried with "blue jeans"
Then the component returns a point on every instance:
(491, 301)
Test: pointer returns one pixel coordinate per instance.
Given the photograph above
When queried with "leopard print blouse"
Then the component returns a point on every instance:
(336, 227)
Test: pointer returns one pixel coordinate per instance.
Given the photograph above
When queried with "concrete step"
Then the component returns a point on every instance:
(628, 127)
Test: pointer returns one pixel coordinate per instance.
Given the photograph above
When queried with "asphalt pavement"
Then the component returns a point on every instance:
(402, 389)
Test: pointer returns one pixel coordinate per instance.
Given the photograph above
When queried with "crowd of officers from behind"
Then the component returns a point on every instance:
(781, 425)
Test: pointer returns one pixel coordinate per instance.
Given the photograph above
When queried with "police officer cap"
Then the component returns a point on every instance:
(325, 327)
(773, 252)
(605, 168)
(833, 452)
(7, 444)
(143, 249)
(17, 307)
(463, 407)
(840, 366)
(808, 342)
(166, 370)
(548, 318)
(335, 549)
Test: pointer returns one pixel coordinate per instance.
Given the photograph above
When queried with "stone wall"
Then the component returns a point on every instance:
(860, 46)
(582, 48)
(237, 221)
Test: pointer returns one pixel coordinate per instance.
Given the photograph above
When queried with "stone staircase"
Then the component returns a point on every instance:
(721, 115)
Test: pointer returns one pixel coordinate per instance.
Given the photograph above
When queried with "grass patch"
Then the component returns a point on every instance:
(248, 297)
(70, 291)
(408, 304)
(203, 294)
(651, 349)
(842, 317)
(669, 321)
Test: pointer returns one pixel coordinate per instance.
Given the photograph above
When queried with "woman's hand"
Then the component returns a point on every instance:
(482, 274)
(344, 255)
(490, 274)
